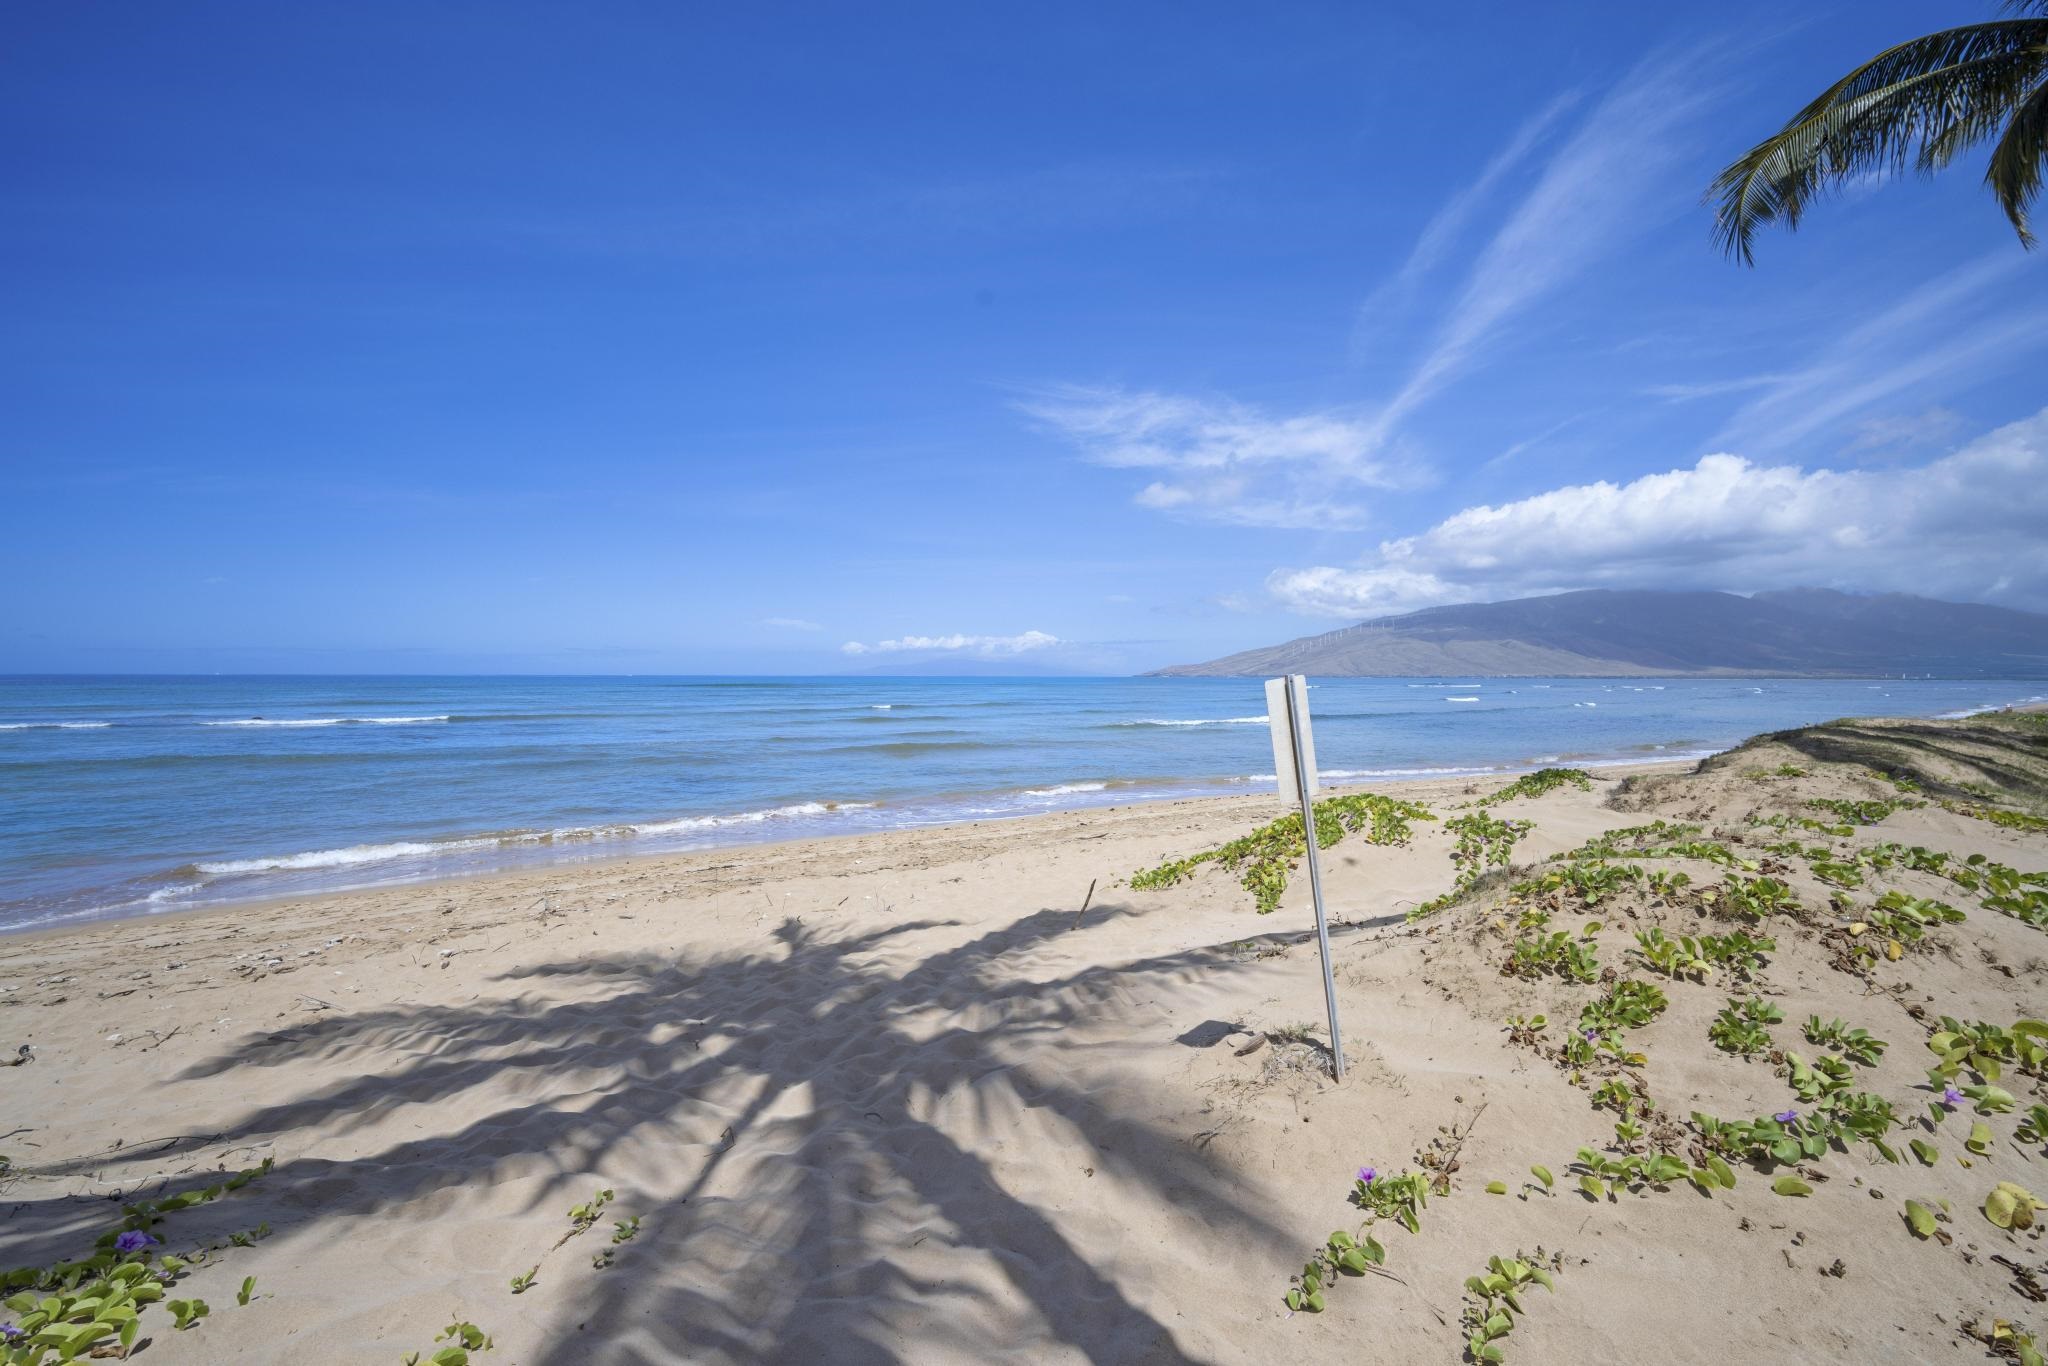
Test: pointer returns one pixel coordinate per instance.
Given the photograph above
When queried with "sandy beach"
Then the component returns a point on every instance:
(900, 1097)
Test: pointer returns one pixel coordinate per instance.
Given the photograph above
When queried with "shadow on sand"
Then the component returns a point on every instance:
(775, 1116)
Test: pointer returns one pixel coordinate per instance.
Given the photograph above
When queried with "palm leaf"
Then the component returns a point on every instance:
(2019, 159)
(1923, 101)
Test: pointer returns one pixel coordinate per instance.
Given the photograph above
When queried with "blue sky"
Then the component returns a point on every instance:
(646, 338)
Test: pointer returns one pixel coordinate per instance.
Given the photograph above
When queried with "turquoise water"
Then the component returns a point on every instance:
(126, 796)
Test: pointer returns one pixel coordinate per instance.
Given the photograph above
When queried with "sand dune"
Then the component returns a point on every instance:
(893, 1098)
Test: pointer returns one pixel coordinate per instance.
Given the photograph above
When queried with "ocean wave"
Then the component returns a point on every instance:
(1218, 721)
(330, 721)
(1967, 712)
(1461, 699)
(329, 858)
(1456, 772)
(356, 854)
(54, 725)
(774, 813)
(1064, 789)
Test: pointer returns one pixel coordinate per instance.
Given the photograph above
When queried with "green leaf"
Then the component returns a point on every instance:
(1920, 1219)
(1791, 1185)
(1543, 1174)
(1592, 1186)
(2000, 1207)
(1926, 1152)
(1721, 1171)
(1496, 1188)
(1979, 1141)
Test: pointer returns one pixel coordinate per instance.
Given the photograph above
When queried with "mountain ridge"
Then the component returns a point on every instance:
(1794, 632)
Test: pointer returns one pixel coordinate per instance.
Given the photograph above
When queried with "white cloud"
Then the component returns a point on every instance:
(1966, 525)
(793, 624)
(986, 646)
(1224, 461)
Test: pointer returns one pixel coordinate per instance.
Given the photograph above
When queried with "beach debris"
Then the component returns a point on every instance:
(1084, 905)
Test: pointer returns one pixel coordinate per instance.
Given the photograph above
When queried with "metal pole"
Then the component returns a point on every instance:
(1296, 704)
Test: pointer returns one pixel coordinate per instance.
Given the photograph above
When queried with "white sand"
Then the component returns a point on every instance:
(891, 1098)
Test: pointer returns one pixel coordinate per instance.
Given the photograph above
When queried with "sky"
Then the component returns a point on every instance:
(649, 338)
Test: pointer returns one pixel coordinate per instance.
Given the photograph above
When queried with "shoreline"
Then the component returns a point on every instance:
(538, 853)
(1255, 808)
(171, 819)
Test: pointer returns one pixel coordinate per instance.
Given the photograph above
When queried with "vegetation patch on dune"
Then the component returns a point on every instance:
(1268, 855)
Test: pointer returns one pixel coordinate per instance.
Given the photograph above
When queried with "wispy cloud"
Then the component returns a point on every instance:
(1967, 524)
(1450, 223)
(1958, 323)
(1607, 178)
(1712, 388)
(1224, 461)
(989, 647)
(792, 624)
(1602, 186)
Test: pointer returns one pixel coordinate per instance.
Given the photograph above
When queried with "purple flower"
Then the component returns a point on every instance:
(1786, 1116)
(133, 1242)
(8, 1332)
(1591, 1034)
(1951, 1096)
(1367, 1175)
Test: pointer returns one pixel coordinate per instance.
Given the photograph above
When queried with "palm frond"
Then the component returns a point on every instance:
(2020, 157)
(1937, 94)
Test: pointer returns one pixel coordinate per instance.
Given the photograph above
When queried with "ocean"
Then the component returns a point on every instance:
(125, 796)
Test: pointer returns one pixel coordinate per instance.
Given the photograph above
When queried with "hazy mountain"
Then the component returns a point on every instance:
(1796, 631)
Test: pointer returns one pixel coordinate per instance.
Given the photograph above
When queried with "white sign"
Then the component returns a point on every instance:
(1284, 726)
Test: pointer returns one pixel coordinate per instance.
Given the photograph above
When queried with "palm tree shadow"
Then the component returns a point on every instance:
(817, 1134)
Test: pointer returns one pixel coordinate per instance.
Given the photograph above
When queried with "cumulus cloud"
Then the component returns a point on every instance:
(988, 647)
(1223, 461)
(1966, 525)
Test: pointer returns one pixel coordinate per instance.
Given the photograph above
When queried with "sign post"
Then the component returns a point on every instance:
(1294, 763)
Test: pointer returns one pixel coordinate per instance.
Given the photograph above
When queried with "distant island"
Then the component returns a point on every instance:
(1796, 632)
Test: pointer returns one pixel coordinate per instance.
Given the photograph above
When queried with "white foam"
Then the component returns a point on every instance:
(331, 721)
(356, 854)
(683, 824)
(55, 725)
(1979, 711)
(1461, 699)
(1064, 789)
(1219, 721)
(1404, 772)
(881, 706)
(330, 858)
